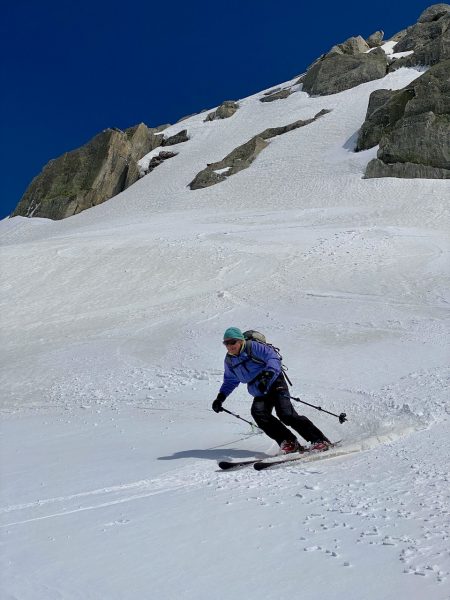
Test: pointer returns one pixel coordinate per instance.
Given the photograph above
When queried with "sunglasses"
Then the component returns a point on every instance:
(230, 342)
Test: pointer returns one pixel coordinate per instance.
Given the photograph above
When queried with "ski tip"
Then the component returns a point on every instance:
(259, 466)
(223, 464)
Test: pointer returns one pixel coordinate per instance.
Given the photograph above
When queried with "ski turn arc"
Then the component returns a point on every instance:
(306, 456)
(264, 463)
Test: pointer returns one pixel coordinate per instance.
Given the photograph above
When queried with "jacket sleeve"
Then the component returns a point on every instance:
(230, 381)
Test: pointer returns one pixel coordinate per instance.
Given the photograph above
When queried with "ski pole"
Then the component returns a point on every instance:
(252, 425)
(342, 417)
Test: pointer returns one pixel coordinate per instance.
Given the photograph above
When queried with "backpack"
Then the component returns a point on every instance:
(251, 335)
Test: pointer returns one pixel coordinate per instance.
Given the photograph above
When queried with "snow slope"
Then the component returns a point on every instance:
(112, 323)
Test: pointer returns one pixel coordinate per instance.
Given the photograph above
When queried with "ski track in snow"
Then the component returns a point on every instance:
(104, 497)
(338, 516)
(185, 478)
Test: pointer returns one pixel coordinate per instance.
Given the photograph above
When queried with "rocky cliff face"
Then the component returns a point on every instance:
(343, 67)
(411, 126)
(428, 39)
(89, 175)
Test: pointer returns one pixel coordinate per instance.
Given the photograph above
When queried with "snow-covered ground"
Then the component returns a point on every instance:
(111, 351)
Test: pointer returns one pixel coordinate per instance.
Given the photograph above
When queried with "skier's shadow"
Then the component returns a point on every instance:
(213, 454)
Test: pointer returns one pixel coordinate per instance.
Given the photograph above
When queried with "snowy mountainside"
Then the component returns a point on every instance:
(112, 355)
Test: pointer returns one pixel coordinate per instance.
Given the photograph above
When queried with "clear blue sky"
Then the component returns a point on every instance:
(71, 69)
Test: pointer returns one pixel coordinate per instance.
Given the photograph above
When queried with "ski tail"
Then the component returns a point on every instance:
(226, 465)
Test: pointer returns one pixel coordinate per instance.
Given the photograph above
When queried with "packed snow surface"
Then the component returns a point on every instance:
(112, 324)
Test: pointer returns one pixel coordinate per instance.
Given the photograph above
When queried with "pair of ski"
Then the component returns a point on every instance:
(266, 463)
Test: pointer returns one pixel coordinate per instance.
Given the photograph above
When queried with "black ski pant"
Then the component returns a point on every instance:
(278, 398)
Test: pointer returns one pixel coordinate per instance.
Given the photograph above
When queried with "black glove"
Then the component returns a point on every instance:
(264, 381)
(217, 404)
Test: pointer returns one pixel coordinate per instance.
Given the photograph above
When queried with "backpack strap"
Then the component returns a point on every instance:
(242, 363)
(249, 350)
(261, 362)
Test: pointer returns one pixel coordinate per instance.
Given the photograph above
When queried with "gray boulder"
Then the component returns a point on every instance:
(155, 161)
(376, 39)
(434, 12)
(354, 45)
(385, 109)
(413, 128)
(429, 41)
(377, 99)
(281, 95)
(89, 175)
(428, 93)
(240, 158)
(224, 111)
(178, 138)
(338, 72)
(206, 178)
(423, 32)
(422, 139)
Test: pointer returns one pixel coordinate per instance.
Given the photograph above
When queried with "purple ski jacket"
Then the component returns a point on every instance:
(243, 369)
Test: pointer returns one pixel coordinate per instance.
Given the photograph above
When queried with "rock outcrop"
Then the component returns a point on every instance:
(434, 13)
(345, 66)
(278, 95)
(224, 111)
(89, 175)
(142, 140)
(376, 39)
(352, 46)
(177, 138)
(155, 161)
(385, 108)
(243, 156)
(378, 168)
(412, 127)
(240, 158)
(429, 39)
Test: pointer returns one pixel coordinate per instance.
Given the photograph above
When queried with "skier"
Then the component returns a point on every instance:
(266, 383)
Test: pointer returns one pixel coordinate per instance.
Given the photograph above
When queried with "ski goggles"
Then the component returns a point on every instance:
(231, 342)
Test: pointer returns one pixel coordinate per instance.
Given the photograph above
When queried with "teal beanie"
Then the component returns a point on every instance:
(233, 332)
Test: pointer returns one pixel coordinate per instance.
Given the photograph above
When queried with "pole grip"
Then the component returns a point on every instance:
(342, 417)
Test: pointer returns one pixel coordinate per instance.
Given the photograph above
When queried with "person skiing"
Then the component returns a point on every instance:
(262, 373)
